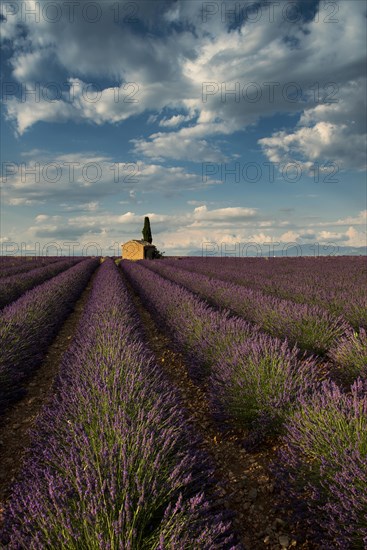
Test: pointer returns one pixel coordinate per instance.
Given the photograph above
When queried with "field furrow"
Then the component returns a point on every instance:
(337, 285)
(26, 266)
(113, 462)
(206, 336)
(243, 476)
(308, 327)
(28, 325)
(258, 383)
(11, 288)
(185, 404)
(38, 389)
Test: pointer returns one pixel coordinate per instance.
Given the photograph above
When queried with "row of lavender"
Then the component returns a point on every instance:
(15, 262)
(28, 325)
(13, 287)
(336, 284)
(113, 463)
(9, 261)
(23, 265)
(219, 345)
(259, 383)
(309, 327)
(286, 274)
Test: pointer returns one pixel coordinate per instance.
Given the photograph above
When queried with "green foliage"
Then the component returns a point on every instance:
(350, 356)
(157, 255)
(147, 234)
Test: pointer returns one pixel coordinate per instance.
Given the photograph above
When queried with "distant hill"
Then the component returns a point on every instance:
(307, 250)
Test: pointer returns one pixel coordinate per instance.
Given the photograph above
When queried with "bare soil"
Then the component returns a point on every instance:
(16, 424)
(243, 478)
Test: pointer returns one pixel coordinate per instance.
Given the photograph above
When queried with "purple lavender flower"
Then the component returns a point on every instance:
(323, 462)
(113, 461)
(260, 383)
(28, 325)
(336, 284)
(308, 326)
(14, 286)
(350, 356)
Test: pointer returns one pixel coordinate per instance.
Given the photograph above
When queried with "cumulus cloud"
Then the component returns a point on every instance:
(220, 216)
(220, 229)
(335, 133)
(228, 74)
(355, 237)
(75, 100)
(25, 115)
(41, 218)
(86, 179)
(360, 219)
(179, 146)
(201, 80)
(23, 201)
(173, 121)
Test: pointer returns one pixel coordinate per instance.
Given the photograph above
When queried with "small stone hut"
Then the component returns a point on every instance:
(138, 250)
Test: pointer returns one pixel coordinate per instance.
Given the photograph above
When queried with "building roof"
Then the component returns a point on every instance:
(140, 241)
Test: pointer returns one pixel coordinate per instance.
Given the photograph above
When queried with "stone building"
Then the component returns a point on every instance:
(137, 250)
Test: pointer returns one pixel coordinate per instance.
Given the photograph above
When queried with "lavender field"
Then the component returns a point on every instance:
(183, 403)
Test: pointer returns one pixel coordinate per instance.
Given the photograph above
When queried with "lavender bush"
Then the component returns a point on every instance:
(22, 266)
(350, 356)
(200, 331)
(13, 287)
(324, 464)
(337, 284)
(309, 327)
(260, 383)
(112, 463)
(355, 310)
(28, 325)
(252, 373)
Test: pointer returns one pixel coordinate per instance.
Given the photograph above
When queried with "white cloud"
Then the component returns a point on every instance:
(356, 238)
(128, 217)
(24, 114)
(182, 232)
(334, 133)
(23, 201)
(224, 215)
(35, 66)
(84, 207)
(360, 219)
(85, 179)
(289, 236)
(41, 218)
(351, 237)
(171, 68)
(173, 121)
(186, 144)
(330, 236)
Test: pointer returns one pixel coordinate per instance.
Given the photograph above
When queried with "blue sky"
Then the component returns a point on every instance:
(224, 122)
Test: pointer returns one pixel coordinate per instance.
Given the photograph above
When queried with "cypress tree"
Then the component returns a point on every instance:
(147, 234)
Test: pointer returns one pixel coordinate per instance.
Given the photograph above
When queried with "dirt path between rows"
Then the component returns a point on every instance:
(245, 483)
(20, 417)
